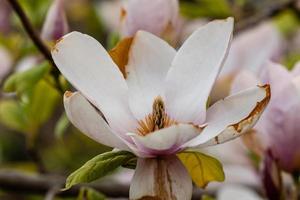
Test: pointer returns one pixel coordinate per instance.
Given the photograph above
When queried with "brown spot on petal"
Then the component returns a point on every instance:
(68, 94)
(123, 14)
(56, 43)
(120, 52)
(260, 106)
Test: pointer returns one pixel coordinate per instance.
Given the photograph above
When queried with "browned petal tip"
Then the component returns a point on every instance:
(123, 14)
(68, 94)
(56, 43)
(259, 108)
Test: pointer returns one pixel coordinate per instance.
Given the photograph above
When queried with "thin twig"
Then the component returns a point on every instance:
(34, 36)
(21, 183)
(268, 11)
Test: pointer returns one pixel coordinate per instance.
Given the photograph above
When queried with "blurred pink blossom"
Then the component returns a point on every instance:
(156, 16)
(55, 25)
(279, 126)
(249, 51)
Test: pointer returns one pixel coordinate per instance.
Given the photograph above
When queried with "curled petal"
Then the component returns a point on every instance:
(160, 178)
(166, 141)
(90, 122)
(194, 70)
(233, 116)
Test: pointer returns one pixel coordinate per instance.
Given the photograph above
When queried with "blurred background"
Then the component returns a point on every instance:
(38, 145)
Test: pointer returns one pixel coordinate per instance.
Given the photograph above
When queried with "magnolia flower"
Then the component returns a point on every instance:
(153, 101)
(279, 127)
(55, 25)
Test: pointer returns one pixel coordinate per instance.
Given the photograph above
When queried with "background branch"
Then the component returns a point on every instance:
(34, 36)
(267, 11)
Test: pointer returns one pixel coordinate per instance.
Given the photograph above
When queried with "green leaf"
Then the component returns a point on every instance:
(98, 167)
(22, 81)
(202, 168)
(12, 116)
(86, 193)
(42, 102)
(206, 8)
(287, 22)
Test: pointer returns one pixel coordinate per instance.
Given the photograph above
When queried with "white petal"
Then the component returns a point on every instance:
(85, 117)
(233, 116)
(194, 70)
(86, 64)
(161, 178)
(166, 141)
(149, 61)
(237, 192)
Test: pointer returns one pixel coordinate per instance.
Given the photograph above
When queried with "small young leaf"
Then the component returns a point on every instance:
(19, 82)
(12, 116)
(98, 167)
(202, 168)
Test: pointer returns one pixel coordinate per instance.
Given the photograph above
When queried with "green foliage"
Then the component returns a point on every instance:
(36, 102)
(205, 8)
(22, 81)
(90, 194)
(112, 40)
(206, 197)
(287, 22)
(98, 167)
(11, 115)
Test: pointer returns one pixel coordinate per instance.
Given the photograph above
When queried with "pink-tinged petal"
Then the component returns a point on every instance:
(155, 16)
(160, 178)
(89, 121)
(280, 126)
(194, 70)
(246, 50)
(55, 25)
(166, 141)
(233, 116)
(109, 12)
(276, 75)
(271, 176)
(149, 60)
(243, 80)
(86, 64)
(237, 192)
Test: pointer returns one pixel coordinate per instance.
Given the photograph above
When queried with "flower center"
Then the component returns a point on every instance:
(156, 120)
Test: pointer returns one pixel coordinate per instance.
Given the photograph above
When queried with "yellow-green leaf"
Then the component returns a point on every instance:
(202, 168)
